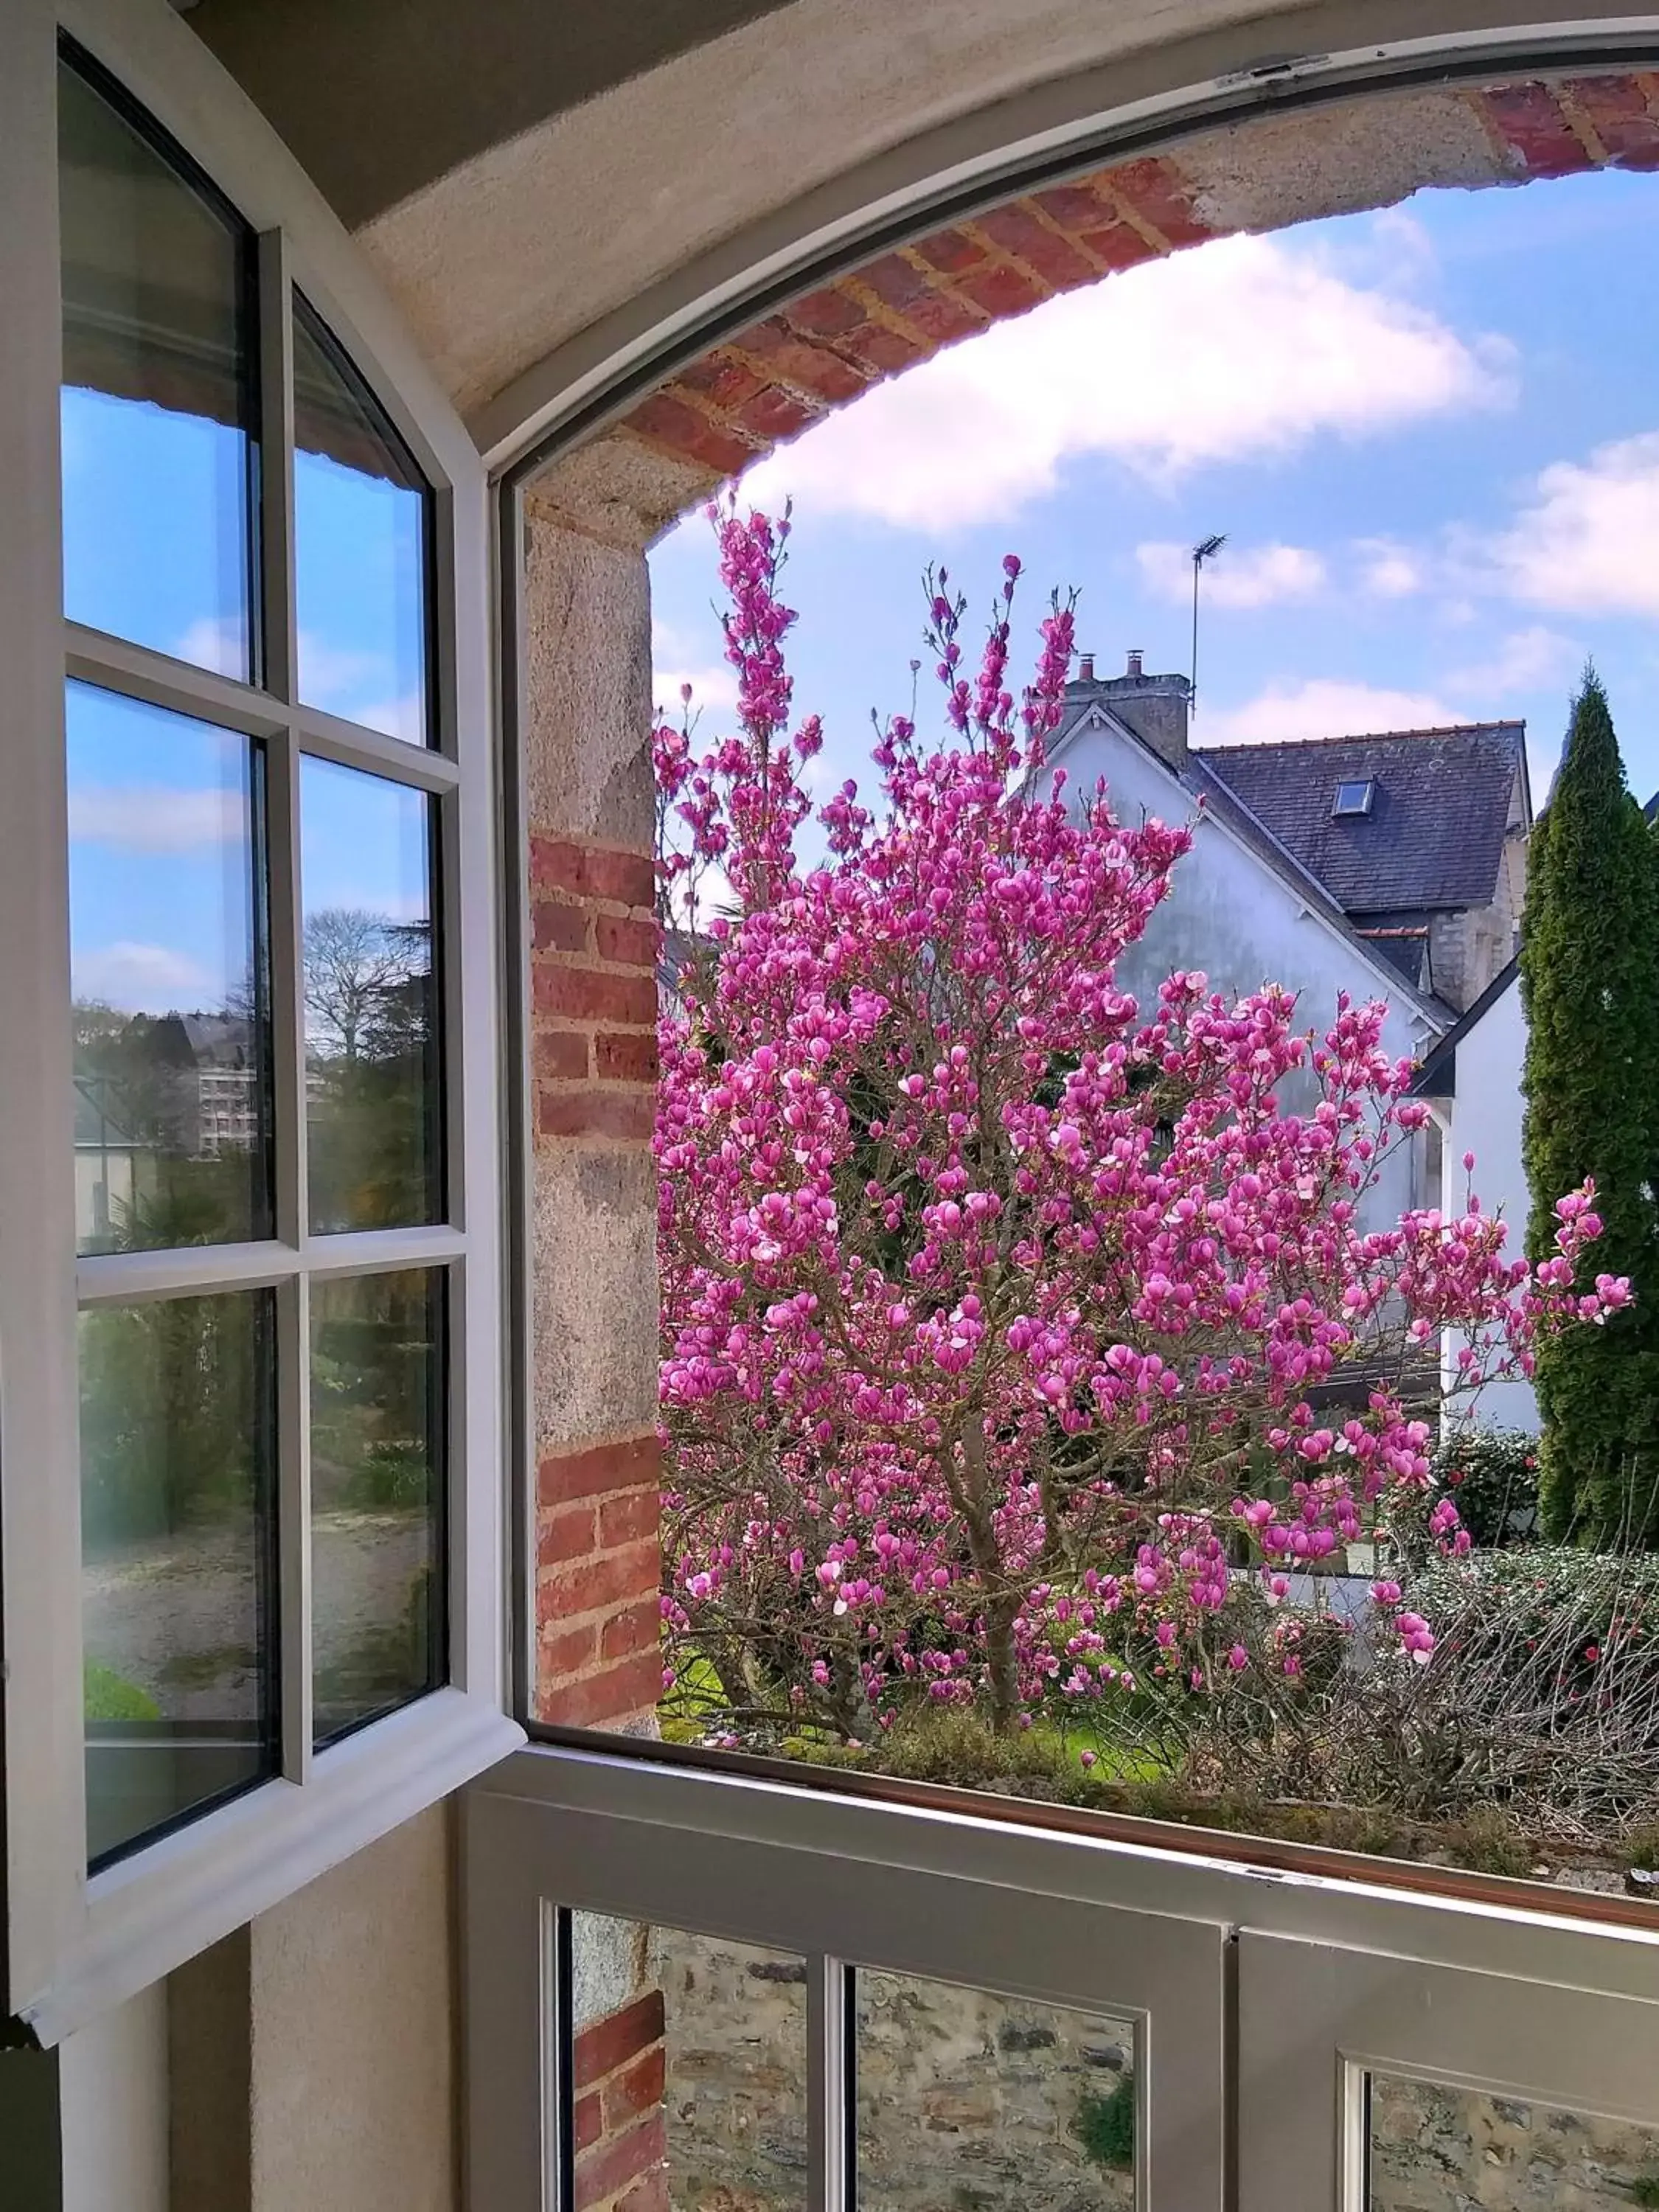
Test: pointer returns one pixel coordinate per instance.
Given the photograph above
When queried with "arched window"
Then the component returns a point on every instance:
(248, 1334)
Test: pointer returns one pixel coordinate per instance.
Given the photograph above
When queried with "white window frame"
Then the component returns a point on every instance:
(75, 1945)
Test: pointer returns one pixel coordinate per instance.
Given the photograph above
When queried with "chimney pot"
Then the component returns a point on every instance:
(1086, 667)
(1134, 660)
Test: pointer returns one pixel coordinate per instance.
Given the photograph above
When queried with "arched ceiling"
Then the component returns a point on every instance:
(539, 184)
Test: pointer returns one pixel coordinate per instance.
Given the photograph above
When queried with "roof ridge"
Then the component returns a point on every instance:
(1361, 736)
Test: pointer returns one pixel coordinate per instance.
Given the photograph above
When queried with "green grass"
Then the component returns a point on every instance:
(110, 1697)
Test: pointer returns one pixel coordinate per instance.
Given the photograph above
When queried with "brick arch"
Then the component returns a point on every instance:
(584, 601)
(776, 379)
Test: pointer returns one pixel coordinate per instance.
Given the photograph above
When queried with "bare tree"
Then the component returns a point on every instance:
(354, 959)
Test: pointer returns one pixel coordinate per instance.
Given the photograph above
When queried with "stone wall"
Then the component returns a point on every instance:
(966, 2102)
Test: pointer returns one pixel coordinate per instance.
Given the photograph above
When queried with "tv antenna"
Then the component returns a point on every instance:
(1204, 550)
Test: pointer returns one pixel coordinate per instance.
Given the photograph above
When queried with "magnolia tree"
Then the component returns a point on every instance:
(996, 1307)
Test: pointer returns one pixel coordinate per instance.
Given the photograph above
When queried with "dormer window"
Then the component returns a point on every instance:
(1353, 797)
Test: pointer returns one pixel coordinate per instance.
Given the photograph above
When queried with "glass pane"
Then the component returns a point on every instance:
(991, 2104)
(690, 2071)
(1438, 2150)
(178, 1423)
(360, 532)
(377, 1461)
(371, 1011)
(172, 1105)
(158, 452)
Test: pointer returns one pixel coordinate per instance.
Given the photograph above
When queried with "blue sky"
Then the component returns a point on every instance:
(1431, 436)
(154, 528)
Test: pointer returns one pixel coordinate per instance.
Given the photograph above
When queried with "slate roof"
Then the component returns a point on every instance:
(1434, 838)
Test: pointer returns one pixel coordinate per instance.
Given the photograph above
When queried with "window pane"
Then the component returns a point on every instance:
(178, 1423)
(156, 405)
(172, 1105)
(1435, 2148)
(377, 1463)
(371, 1012)
(690, 2071)
(361, 527)
(966, 2099)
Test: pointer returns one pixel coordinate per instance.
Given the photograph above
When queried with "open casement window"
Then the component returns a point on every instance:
(249, 1344)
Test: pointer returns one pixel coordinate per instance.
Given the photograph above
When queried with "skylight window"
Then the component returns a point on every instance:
(1353, 797)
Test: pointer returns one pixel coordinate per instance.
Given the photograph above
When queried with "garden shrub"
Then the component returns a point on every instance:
(1105, 2126)
(1491, 1476)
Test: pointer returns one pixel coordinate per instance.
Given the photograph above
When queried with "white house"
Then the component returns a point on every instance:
(1472, 1080)
(1388, 866)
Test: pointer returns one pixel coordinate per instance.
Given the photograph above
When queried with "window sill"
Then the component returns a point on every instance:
(142, 1919)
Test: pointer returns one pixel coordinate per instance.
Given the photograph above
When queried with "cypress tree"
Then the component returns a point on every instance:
(1590, 984)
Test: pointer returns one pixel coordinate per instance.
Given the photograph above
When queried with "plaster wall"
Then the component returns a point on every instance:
(510, 253)
(1484, 1119)
(1231, 916)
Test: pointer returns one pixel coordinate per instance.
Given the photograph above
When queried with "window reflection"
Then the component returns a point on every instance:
(157, 449)
(176, 1447)
(360, 527)
(371, 1026)
(377, 1495)
(167, 963)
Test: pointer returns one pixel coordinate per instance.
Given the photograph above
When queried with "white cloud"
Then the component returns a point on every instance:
(1588, 543)
(676, 661)
(394, 718)
(1387, 569)
(1525, 660)
(140, 818)
(1244, 349)
(1241, 576)
(1323, 707)
(217, 643)
(153, 979)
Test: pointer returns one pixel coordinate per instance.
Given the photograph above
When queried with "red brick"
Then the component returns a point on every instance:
(886, 351)
(941, 318)
(589, 2126)
(593, 994)
(895, 282)
(558, 927)
(1003, 291)
(626, 937)
(628, 1115)
(721, 377)
(602, 2172)
(1119, 246)
(569, 1652)
(637, 1629)
(648, 2194)
(625, 1056)
(614, 1578)
(626, 1519)
(830, 313)
(950, 250)
(1157, 191)
(638, 2090)
(1055, 259)
(805, 363)
(555, 865)
(568, 1532)
(1529, 120)
(597, 872)
(601, 1471)
(665, 420)
(561, 1056)
(620, 1693)
(1617, 109)
(1073, 207)
(620, 2036)
(629, 878)
(775, 413)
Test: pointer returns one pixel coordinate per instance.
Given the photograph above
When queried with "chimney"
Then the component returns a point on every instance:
(1085, 668)
(1154, 706)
